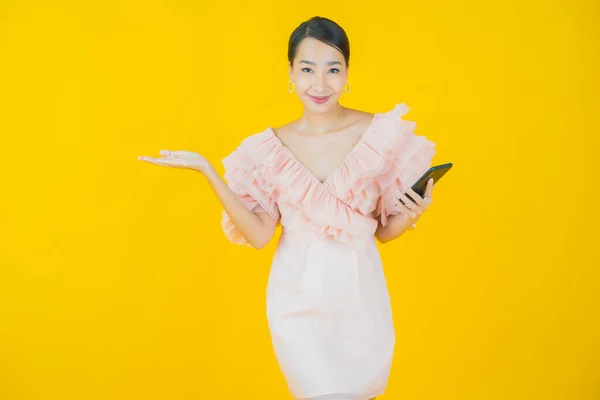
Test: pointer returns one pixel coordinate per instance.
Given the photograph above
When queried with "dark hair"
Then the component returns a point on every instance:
(322, 29)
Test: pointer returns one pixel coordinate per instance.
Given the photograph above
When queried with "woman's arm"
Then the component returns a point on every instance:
(257, 228)
(397, 225)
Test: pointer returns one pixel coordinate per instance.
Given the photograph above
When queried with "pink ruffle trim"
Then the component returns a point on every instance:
(245, 170)
(387, 160)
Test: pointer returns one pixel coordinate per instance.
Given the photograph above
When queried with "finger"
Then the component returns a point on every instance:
(152, 160)
(175, 153)
(160, 161)
(405, 210)
(418, 199)
(168, 162)
(409, 203)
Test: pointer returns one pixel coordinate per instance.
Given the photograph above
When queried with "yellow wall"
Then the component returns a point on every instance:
(116, 281)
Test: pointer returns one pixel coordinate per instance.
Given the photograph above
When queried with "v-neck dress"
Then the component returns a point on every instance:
(328, 306)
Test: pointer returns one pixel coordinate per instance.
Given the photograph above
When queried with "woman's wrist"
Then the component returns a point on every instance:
(397, 225)
(209, 172)
(407, 222)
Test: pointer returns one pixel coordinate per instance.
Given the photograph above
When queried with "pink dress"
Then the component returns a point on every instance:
(328, 305)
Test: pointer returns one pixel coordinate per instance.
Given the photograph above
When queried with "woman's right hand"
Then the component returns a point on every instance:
(256, 228)
(181, 159)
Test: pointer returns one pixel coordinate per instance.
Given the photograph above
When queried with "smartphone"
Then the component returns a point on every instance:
(435, 172)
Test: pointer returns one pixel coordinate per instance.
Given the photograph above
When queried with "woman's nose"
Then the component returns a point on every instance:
(319, 82)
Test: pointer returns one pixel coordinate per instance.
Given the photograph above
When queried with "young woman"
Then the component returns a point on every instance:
(335, 179)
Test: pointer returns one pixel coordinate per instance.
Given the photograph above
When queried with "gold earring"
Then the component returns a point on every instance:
(346, 91)
(288, 85)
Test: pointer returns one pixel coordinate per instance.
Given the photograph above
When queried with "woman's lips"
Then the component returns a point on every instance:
(319, 99)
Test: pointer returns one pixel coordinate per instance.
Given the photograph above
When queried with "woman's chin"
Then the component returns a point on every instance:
(320, 108)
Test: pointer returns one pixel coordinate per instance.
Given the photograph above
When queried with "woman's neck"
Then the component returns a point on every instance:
(322, 123)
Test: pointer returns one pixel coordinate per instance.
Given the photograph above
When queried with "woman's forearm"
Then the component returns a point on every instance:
(397, 225)
(249, 224)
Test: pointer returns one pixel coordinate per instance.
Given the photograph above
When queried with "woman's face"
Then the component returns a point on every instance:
(319, 71)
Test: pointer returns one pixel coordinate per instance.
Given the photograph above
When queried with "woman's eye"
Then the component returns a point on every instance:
(310, 70)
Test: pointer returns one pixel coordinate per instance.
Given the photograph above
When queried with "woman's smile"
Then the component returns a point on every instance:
(319, 99)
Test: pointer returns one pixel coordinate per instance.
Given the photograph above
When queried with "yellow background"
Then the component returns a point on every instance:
(116, 281)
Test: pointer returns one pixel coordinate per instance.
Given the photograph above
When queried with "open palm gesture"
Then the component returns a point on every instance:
(179, 159)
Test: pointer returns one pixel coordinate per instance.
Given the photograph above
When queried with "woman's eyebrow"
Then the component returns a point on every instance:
(312, 63)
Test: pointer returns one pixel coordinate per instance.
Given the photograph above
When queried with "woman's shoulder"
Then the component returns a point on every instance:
(360, 114)
(361, 119)
(256, 145)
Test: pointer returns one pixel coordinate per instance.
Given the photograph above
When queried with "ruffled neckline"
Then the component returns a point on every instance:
(365, 158)
(271, 132)
(386, 159)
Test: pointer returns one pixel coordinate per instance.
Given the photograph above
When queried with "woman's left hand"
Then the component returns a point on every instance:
(414, 209)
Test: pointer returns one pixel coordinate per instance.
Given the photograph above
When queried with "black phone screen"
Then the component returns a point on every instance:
(435, 172)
